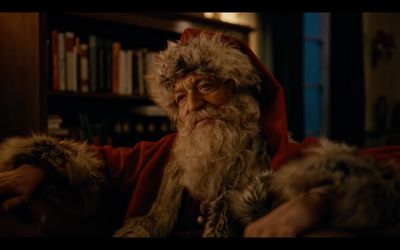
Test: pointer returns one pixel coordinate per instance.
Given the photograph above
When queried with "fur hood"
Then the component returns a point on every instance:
(200, 54)
(338, 165)
(229, 58)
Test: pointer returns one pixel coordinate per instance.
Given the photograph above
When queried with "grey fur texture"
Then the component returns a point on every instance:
(68, 158)
(221, 212)
(202, 54)
(366, 194)
(63, 161)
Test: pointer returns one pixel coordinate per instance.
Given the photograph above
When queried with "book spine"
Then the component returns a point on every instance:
(108, 48)
(92, 64)
(61, 60)
(69, 47)
(116, 47)
(135, 73)
(122, 73)
(77, 51)
(54, 61)
(149, 60)
(129, 83)
(141, 71)
(84, 68)
(101, 64)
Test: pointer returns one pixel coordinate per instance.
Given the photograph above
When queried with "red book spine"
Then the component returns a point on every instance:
(116, 47)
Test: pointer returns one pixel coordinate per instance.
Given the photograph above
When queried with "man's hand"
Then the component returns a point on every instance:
(17, 186)
(292, 218)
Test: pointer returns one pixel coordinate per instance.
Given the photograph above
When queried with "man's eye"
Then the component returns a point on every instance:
(179, 98)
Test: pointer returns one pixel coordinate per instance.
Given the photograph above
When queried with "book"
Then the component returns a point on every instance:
(77, 62)
(54, 61)
(61, 61)
(84, 68)
(108, 69)
(141, 71)
(122, 73)
(54, 121)
(149, 57)
(135, 73)
(101, 64)
(149, 110)
(116, 47)
(70, 58)
(59, 132)
(86, 126)
(129, 77)
(92, 63)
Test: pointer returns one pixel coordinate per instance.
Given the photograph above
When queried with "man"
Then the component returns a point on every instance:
(230, 170)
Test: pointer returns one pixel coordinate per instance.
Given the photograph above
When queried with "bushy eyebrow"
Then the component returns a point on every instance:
(181, 87)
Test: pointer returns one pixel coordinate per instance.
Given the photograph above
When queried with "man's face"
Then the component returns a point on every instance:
(196, 91)
(216, 124)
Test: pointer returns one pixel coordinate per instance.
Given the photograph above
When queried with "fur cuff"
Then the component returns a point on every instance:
(65, 157)
(255, 200)
(366, 192)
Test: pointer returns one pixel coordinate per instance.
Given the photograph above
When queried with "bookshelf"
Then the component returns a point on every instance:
(29, 102)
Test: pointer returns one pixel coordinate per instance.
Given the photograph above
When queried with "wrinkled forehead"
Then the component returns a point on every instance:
(193, 79)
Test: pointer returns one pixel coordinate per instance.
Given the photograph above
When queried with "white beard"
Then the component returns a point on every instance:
(218, 152)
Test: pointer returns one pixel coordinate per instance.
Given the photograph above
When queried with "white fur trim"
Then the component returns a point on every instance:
(201, 54)
(70, 159)
(365, 195)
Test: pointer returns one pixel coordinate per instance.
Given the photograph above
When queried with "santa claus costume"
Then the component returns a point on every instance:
(148, 184)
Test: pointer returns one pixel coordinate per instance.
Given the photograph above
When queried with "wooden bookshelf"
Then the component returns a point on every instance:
(26, 94)
(99, 97)
(171, 22)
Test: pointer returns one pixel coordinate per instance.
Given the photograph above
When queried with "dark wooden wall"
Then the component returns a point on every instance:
(20, 71)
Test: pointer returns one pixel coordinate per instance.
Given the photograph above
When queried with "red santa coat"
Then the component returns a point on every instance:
(138, 170)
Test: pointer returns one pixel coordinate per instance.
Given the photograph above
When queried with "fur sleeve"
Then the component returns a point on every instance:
(365, 191)
(67, 158)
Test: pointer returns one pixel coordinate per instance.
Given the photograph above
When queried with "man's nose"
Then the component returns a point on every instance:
(195, 101)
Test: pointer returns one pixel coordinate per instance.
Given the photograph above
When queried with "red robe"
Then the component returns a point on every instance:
(138, 170)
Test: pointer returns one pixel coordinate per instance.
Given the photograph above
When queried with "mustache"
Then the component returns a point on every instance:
(207, 112)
